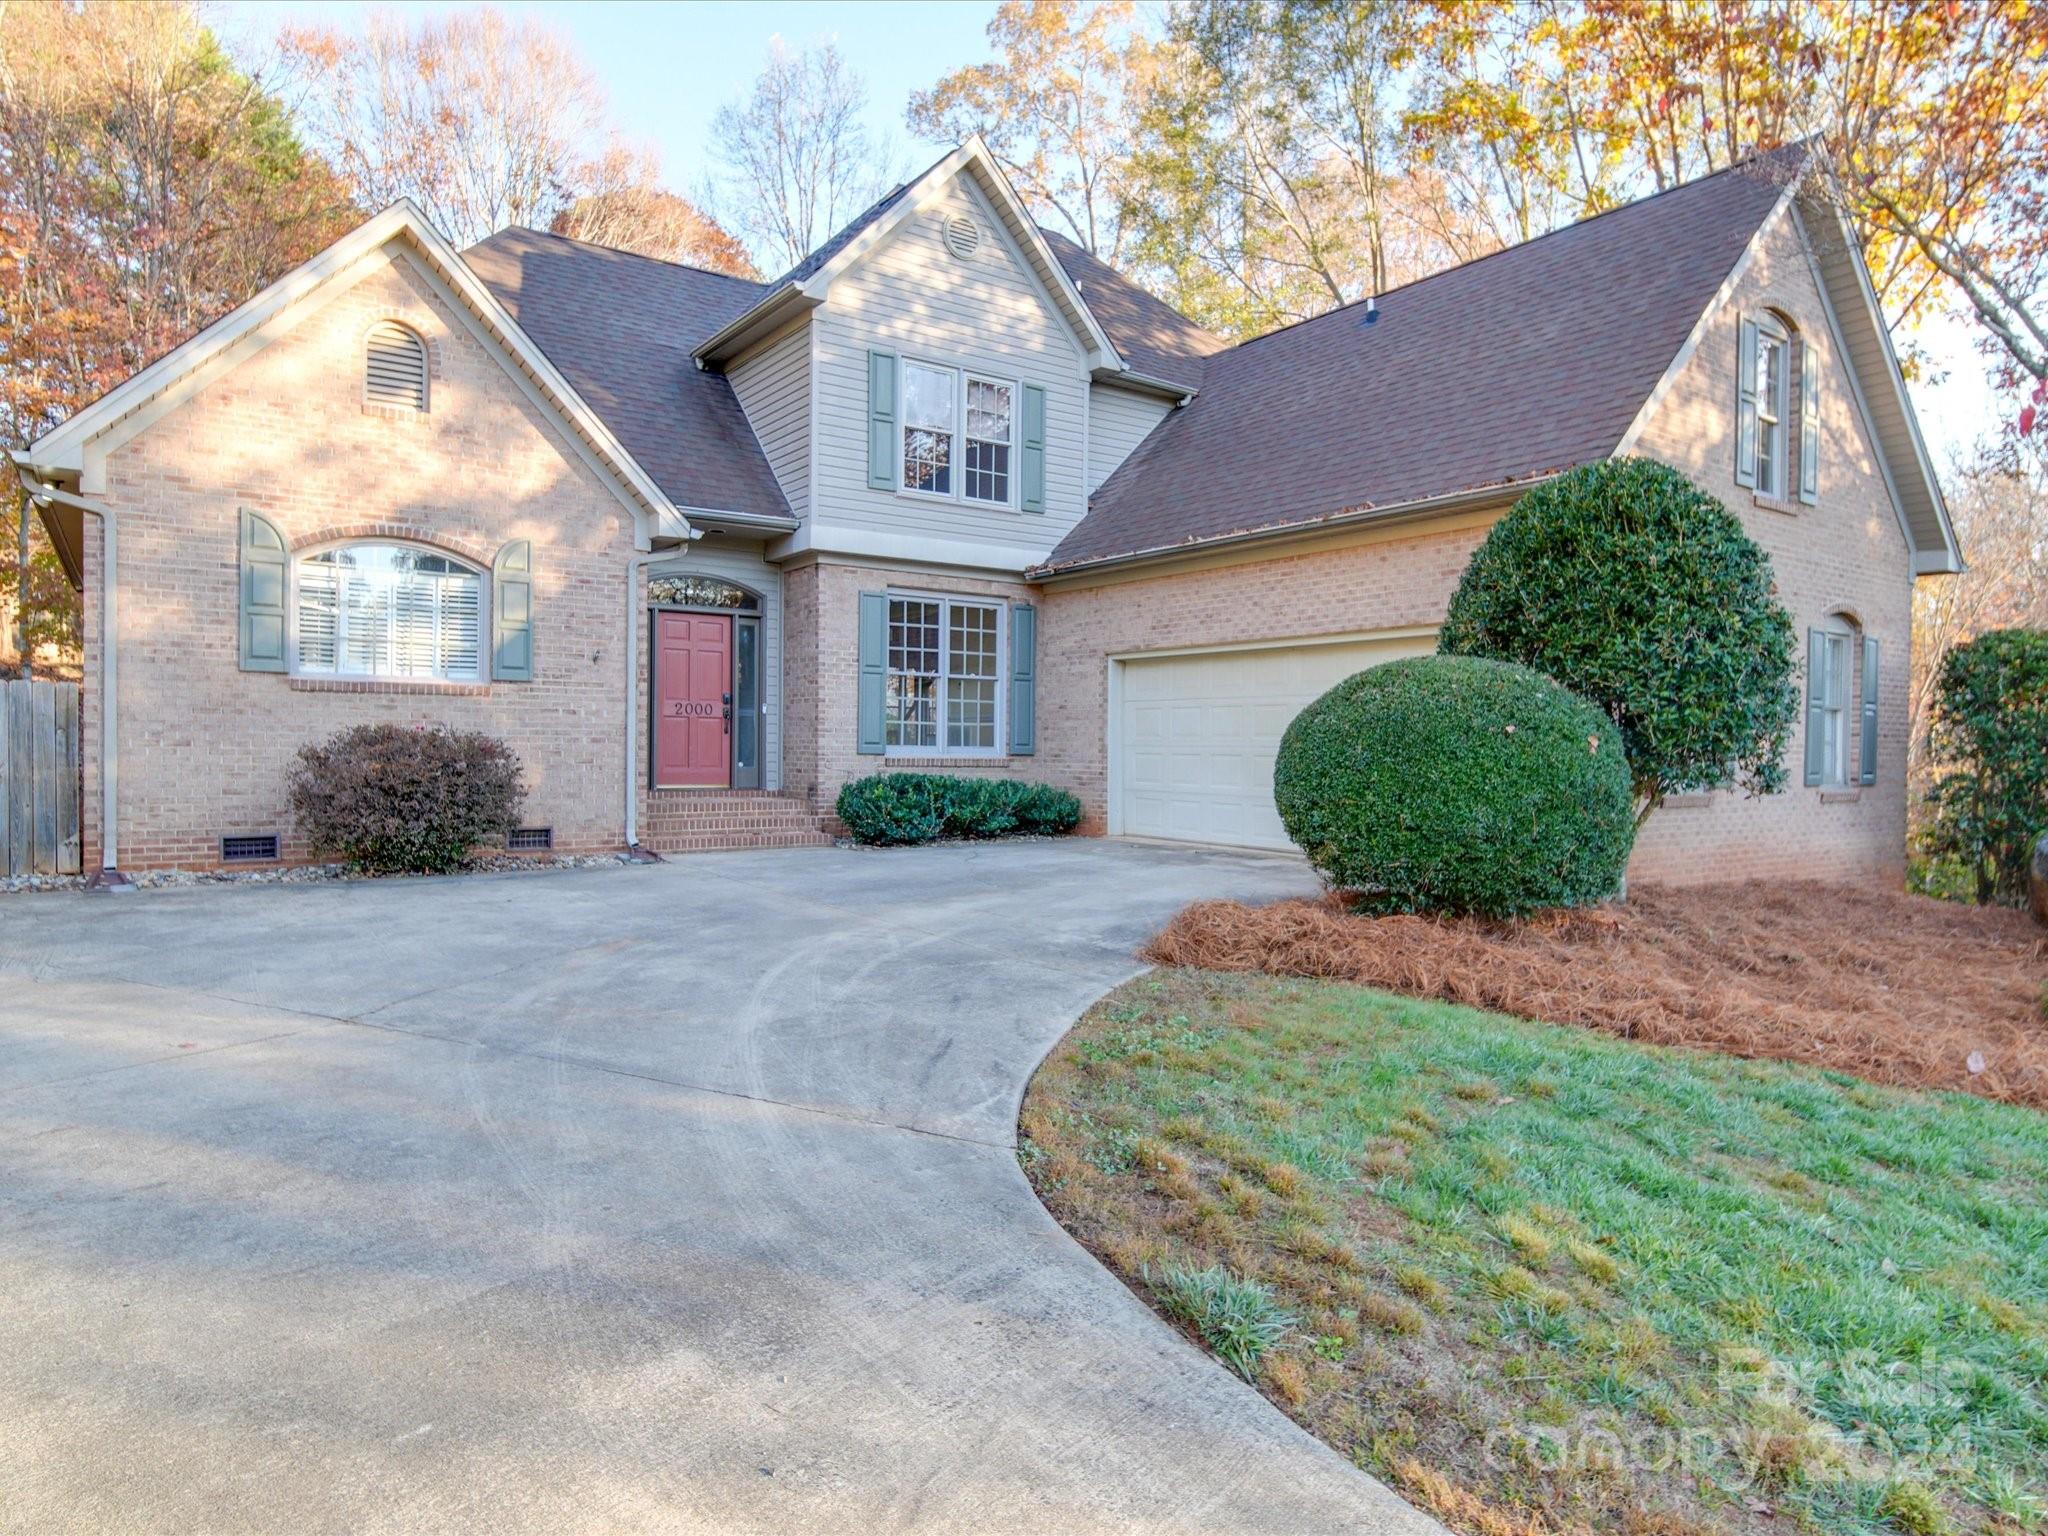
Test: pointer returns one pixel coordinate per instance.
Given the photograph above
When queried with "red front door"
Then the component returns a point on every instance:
(692, 684)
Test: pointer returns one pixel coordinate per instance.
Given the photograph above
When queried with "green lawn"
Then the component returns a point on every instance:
(1576, 1281)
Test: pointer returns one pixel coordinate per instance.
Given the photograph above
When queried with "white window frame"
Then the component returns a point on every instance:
(339, 673)
(1838, 685)
(968, 380)
(1773, 412)
(947, 602)
(962, 378)
(904, 428)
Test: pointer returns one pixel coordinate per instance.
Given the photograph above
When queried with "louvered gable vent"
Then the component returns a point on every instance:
(397, 368)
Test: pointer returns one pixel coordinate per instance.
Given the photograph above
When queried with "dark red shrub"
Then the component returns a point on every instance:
(414, 799)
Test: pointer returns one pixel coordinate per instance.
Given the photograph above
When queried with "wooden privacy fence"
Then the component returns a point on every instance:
(38, 778)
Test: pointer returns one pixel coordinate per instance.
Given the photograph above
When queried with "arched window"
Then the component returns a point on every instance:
(1841, 703)
(395, 367)
(389, 610)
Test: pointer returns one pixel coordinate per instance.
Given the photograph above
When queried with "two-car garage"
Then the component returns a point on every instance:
(1193, 734)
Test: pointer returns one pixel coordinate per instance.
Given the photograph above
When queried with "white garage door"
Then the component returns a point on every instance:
(1195, 736)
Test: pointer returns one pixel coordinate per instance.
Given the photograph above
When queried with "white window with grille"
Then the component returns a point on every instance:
(943, 693)
(388, 611)
(988, 440)
(931, 405)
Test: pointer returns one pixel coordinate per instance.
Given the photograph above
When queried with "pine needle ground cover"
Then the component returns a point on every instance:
(1896, 988)
(1545, 1280)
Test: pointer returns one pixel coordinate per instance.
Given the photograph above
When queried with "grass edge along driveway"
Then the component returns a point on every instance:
(1545, 1280)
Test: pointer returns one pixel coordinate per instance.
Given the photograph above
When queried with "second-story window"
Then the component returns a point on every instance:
(1772, 349)
(930, 422)
(988, 440)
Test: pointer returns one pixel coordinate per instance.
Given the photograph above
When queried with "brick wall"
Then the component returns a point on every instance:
(1844, 556)
(204, 746)
(822, 668)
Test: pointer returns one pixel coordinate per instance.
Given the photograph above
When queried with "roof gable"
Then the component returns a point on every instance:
(73, 446)
(620, 327)
(809, 283)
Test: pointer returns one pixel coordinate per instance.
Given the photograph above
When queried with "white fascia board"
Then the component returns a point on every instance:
(1873, 312)
(909, 548)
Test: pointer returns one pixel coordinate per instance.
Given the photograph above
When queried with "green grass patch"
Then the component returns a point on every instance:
(1585, 1281)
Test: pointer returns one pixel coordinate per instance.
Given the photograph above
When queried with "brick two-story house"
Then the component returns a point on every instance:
(951, 494)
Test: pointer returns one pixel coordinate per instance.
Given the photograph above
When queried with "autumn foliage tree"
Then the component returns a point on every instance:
(147, 186)
(1052, 107)
(628, 209)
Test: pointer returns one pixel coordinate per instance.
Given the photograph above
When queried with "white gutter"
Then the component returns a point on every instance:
(634, 567)
(110, 762)
(1394, 512)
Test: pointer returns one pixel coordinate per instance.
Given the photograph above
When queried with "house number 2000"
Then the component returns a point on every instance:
(682, 709)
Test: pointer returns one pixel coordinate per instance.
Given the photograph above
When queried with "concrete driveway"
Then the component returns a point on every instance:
(650, 1199)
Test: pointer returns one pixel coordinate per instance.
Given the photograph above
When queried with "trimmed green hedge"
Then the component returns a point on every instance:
(1457, 784)
(892, 808)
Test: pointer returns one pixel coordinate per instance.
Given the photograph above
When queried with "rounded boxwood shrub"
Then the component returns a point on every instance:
(1639, 591)
(1456, 784)
(405, 799)
(894, 808)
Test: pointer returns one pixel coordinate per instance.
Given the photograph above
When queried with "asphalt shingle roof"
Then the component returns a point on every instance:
(811, 264)
(1527, 361)
(1155, 339)
(621, 328)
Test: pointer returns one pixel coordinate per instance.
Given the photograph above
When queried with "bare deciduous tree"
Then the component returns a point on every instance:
(796, 160)
(481, 121)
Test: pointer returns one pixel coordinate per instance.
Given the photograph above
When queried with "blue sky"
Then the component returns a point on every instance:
(669, 67)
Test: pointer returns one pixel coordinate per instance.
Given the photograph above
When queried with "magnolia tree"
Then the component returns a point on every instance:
(1637, 590)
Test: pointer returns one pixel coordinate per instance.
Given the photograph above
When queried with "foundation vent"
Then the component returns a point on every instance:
(530, 840)
(258, 848)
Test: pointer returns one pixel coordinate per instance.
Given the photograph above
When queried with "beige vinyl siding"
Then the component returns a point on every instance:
(740, 560)
(774, 389)
(1117, 422)
(987, 315)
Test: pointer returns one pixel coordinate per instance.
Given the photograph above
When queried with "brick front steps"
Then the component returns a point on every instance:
(706, 820)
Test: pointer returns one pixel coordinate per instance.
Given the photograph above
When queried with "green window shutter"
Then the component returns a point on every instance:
(1816, 702)
(1023, 679)
(265, 563)
(1867, 732)
(512, 613)
(1809, 424)
(874, 670)
(1033, 472)
(1745, 406)
(885, 451)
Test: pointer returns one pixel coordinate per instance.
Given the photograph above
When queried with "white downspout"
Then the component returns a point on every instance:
(110, 763)
(634, 567)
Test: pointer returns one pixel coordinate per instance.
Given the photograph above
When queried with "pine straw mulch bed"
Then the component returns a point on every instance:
(1894, 988)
